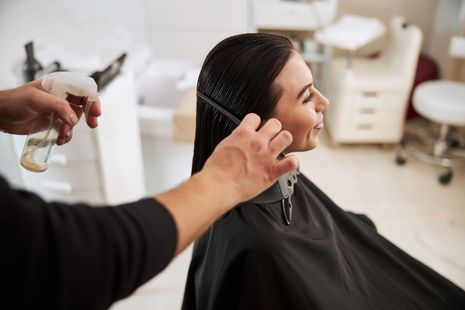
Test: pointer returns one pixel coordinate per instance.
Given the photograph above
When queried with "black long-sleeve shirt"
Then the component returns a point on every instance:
(63, 256)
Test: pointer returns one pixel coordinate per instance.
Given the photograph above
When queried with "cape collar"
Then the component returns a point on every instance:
(281, 191)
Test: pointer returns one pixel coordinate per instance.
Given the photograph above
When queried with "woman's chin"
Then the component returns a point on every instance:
(313, 146)
(313, 143)
(306, 145)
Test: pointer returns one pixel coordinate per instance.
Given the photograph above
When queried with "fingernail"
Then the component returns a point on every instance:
(47, 84)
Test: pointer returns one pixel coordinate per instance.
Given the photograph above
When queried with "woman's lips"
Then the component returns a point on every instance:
(319, 126)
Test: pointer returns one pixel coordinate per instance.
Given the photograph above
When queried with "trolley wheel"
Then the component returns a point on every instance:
(445, 177)
(400, 160)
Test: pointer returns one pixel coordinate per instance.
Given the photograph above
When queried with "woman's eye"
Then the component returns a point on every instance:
(309, 98)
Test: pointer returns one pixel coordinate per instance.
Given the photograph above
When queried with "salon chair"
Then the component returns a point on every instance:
(442, 104)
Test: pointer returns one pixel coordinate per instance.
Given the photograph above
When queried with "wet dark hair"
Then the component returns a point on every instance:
(238, 74)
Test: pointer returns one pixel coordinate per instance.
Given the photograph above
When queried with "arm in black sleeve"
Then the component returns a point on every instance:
(58, 256)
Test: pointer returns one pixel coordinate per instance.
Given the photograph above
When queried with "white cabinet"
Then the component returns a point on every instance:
(102, 165)
(366, 115)
(369, 98)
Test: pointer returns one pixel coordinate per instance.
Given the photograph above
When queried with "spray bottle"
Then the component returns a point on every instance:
(37, 149)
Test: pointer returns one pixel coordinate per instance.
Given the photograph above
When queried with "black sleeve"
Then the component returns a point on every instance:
(58, 256)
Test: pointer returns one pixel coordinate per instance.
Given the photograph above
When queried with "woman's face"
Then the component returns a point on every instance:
(300, 108)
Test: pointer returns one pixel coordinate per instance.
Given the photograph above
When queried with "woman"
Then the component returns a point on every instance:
(266, 254)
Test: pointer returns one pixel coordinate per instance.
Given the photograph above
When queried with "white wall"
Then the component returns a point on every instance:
(89, 33)
(98, 30)
(446, 24)
(189, 29)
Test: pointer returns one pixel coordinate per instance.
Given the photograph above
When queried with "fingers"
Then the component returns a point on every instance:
(248, 158)
(92, 112)
(250, 121)
(285, 165)
(45, 101)
(45, 84)
(270, 129)
(280, 142)
(65, 134)
(268, 136)
(92, 109)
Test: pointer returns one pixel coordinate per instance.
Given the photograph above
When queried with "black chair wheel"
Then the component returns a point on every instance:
(454, 143)
(400, 160)
(446, 177)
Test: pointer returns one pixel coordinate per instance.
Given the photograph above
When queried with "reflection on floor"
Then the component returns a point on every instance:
(407, 203)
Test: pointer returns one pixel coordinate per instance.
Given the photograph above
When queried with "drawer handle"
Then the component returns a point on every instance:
(367, 110)
(61, 187)
(370, 94)
(365, 126)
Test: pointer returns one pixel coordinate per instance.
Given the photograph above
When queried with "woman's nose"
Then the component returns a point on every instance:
(323, 103)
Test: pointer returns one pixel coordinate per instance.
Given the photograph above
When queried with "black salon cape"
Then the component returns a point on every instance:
(73, 256)
(327, 258)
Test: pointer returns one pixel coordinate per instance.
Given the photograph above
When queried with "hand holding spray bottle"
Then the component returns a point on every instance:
(37, 149)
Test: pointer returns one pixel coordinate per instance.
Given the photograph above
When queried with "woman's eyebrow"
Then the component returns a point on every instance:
(303, 90)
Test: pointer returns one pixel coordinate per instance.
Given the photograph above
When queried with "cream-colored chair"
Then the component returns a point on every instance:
(369, 96)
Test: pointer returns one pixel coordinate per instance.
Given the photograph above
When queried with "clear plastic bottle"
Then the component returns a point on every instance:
(37, 149)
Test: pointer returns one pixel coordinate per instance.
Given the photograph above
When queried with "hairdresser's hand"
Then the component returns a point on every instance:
(242, 166)
(246, 160)
(21, 107)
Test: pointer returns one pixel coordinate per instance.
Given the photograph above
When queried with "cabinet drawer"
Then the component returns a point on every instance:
(376, 116)
(78, 175)
(375, 98)
(379, 114)
(372, 131)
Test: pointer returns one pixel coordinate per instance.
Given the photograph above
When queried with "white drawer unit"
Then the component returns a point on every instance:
(369, 96)
(366, 116)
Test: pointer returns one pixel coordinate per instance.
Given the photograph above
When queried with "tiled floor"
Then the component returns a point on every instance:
(407, 203)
